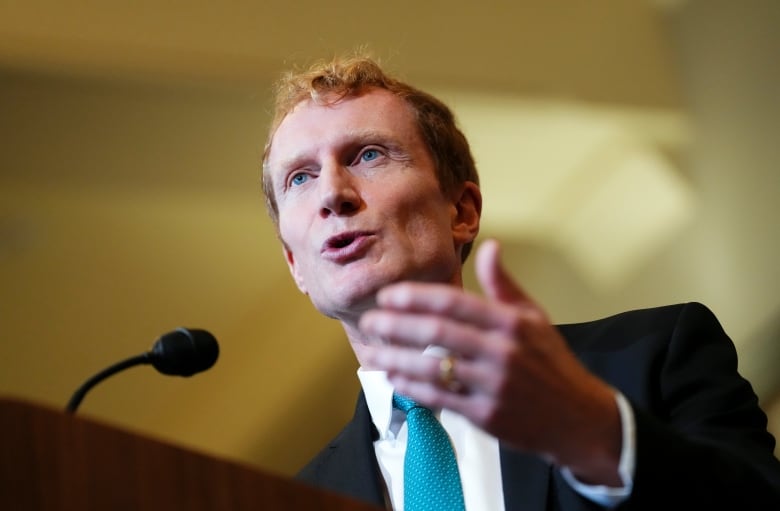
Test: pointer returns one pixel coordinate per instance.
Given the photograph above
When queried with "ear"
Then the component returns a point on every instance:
(467, 202)
(290, 259)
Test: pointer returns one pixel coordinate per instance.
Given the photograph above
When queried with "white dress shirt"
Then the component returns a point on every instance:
(476, 451)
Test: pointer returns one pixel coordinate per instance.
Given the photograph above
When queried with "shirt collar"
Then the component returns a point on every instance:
(379, 398)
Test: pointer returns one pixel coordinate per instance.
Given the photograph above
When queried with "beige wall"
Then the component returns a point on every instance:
(130, 204)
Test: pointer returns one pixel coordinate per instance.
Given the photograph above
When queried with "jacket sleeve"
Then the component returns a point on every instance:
(702, 442)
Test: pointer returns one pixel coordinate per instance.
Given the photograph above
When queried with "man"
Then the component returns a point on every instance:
(375, 197)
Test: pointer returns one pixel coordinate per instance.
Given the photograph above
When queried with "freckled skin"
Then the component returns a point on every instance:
(371, 238)
(360, 165)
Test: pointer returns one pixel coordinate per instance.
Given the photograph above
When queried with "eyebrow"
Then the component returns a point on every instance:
(351, 138)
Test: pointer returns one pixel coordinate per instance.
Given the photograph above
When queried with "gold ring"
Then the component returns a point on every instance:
(447, 373)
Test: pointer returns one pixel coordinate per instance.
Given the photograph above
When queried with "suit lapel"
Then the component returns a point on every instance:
(526, 481)
(349, 464)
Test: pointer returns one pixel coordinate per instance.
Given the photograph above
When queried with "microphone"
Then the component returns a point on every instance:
(182, 352)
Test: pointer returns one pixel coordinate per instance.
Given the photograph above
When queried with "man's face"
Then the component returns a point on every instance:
(359, 202)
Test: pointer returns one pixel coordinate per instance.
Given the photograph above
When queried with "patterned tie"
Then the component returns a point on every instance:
(431, 479)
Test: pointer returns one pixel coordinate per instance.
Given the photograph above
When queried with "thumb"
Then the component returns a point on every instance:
(496, 283)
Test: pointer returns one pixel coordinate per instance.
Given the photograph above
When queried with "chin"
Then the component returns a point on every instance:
(355, 299)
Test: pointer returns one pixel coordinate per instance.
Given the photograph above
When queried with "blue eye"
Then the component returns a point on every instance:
(369, 154)
(299, 179)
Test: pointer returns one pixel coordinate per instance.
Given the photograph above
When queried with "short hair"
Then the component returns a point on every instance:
(327, 82)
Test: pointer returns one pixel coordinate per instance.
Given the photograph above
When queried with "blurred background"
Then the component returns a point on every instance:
(628, 151)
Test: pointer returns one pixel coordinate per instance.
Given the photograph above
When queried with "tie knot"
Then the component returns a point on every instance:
(404, 403)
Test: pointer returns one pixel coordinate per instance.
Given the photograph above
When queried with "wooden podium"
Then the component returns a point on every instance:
(50, 460)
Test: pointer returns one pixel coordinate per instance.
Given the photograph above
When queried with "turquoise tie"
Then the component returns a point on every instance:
(431, 479)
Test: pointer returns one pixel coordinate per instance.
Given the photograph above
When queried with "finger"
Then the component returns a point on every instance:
(446, 301)
(436, 397)
(423, 392)
(405, 367)
(410, 365)
(496, 283)
(407, 363)
(422, 330)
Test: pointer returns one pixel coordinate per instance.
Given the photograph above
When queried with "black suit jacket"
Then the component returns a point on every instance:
(702, 441)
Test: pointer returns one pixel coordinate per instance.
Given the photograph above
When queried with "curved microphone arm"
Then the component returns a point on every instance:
(75, 400)
(182, 352)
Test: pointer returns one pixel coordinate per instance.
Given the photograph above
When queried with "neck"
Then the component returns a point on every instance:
(361, 344)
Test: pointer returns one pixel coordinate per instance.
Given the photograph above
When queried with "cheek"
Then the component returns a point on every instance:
(292, 228)
(428, 225)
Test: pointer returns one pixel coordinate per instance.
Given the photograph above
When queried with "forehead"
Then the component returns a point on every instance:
(313, 126)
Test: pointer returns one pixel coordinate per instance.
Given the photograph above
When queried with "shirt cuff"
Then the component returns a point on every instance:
(608, 496)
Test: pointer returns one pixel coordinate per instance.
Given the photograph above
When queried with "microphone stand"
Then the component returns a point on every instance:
(75, 400)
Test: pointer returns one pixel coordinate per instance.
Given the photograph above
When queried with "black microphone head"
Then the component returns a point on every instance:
(184, 352)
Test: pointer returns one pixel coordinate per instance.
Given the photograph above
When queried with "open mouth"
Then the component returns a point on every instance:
(341, 241)
(346, 245)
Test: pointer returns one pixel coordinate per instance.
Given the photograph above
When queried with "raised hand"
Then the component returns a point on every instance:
(514, 374)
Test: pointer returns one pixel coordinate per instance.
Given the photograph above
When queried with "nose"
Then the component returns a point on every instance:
(339, 191)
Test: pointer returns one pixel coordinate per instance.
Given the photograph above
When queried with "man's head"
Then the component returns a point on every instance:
(359, 198)
(328, 82)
